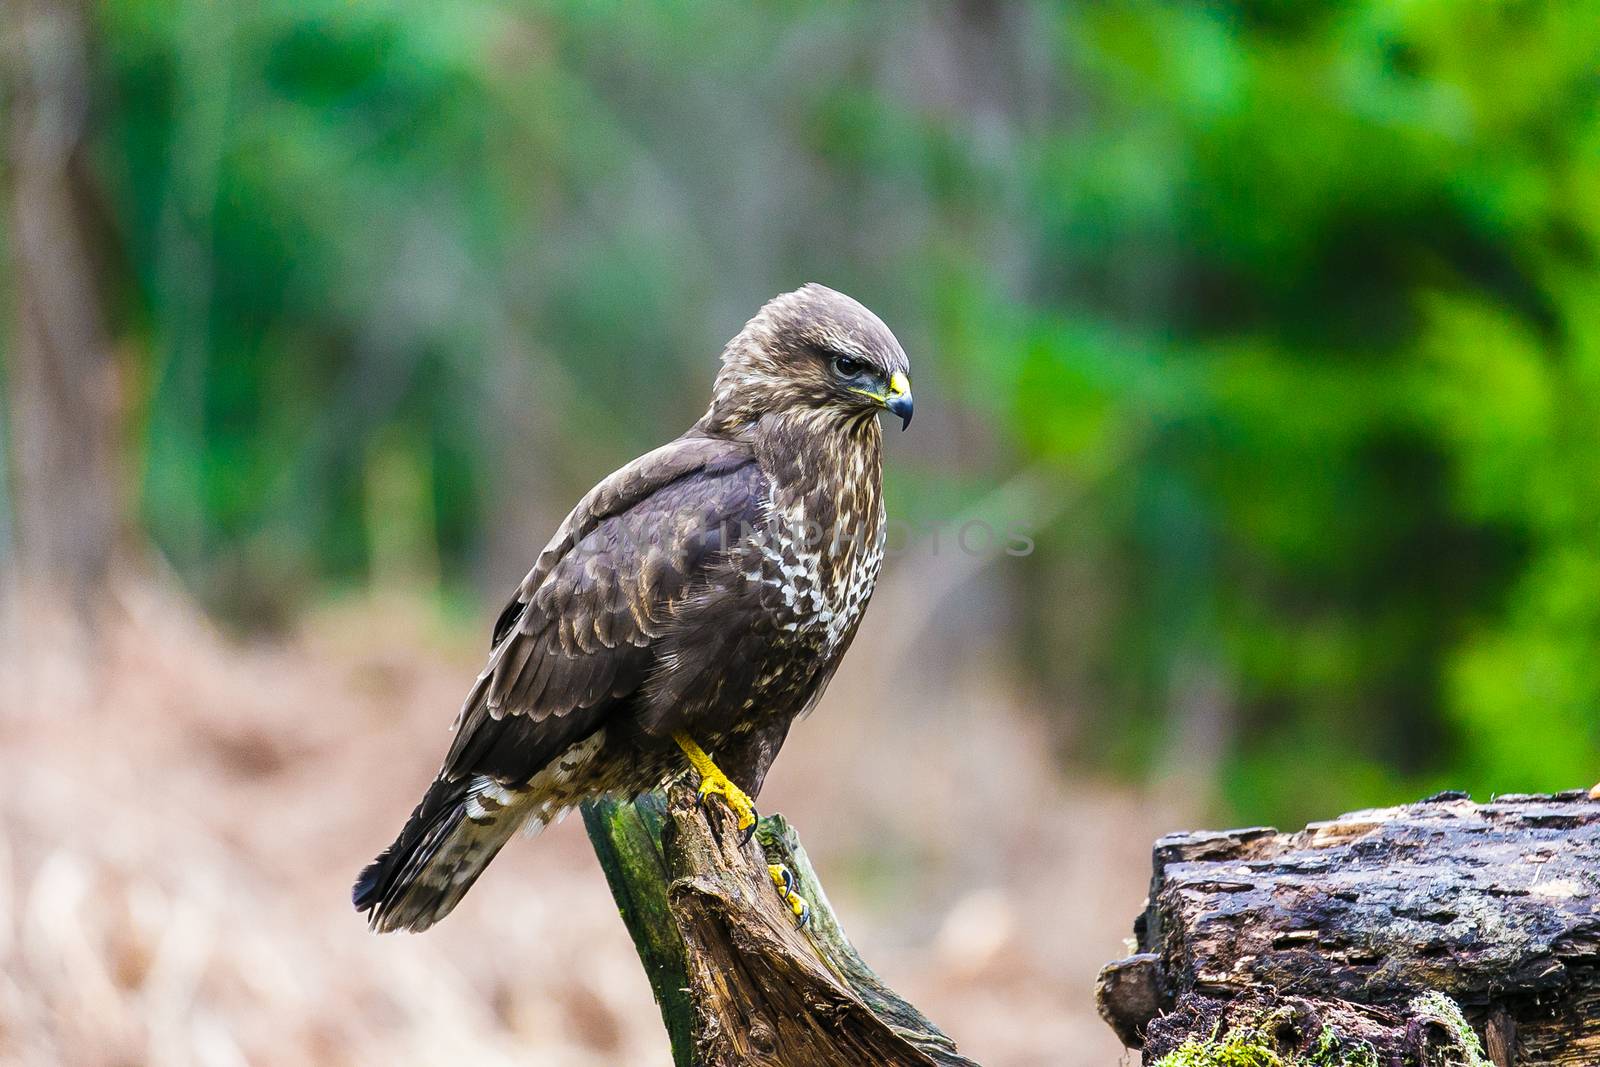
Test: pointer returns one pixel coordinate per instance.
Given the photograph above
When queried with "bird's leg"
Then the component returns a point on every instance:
(783, 878)
(713, 781)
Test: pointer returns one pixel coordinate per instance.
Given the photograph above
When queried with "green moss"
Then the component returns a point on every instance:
(1440, 1009)
(1238, 1048)
(1250, 1047)
(1333, 1051)
(1249, 1044)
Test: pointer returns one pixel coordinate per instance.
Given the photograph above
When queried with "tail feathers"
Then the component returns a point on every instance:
(448, 841)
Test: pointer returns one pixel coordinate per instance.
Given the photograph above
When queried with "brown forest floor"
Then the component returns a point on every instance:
(177, 841)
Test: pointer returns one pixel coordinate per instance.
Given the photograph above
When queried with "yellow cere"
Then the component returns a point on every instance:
(899, 385)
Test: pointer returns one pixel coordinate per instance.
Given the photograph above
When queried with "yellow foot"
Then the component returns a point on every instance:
(783, 878)
(717, 784)
(1594, 794)
(714, 783)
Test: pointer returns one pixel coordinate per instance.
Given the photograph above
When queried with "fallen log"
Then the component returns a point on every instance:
(1443, 932)
(738, 980)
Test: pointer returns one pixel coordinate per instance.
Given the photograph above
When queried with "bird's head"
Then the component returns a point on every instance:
(815, 352)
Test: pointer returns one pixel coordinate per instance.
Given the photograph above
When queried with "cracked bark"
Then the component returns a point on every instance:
(1342, 926)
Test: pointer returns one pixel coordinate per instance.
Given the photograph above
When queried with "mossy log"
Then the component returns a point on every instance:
(739, 982)
(1354, 941)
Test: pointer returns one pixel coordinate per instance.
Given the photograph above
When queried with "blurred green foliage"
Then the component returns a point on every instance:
(1296, 299)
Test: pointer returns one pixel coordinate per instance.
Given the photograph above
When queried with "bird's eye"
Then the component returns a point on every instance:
(848, 366)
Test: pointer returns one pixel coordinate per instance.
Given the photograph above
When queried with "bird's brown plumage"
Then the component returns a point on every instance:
(710, 586)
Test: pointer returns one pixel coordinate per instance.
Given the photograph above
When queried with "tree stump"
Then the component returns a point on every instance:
(738, 981)
(1374, 939)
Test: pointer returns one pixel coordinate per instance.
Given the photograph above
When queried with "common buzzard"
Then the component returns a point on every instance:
(693, 603)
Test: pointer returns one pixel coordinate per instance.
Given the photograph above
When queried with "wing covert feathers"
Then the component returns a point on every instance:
(574, 647)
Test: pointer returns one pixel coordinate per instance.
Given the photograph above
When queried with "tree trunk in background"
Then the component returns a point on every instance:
(62, 385)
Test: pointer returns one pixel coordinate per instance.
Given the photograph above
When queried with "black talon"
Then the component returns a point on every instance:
(805, 914)
(788, 882)
(750, 831)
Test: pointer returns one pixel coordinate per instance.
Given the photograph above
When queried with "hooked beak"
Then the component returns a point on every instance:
(899, 399)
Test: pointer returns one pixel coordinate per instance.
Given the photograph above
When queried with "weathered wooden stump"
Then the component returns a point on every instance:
(1354, 941)
(738, 981)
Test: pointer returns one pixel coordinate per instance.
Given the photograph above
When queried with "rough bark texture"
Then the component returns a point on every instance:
(738, 982)
(1347, 937)
(62, 381)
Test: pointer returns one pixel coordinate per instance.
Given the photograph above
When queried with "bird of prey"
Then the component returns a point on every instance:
(689, 608)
